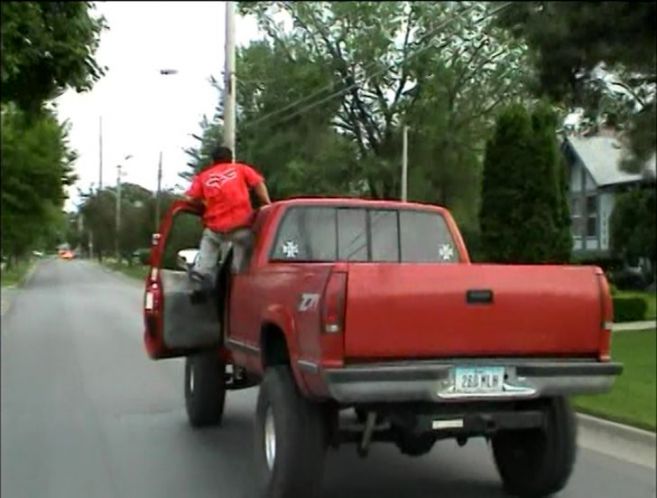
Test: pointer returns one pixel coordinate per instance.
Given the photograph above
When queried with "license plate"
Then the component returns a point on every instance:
(478, 379)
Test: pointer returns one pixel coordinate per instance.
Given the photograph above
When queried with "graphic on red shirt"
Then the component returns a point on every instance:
(225, 189)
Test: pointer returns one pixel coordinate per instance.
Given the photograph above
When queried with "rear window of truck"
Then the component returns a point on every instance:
(326, 234)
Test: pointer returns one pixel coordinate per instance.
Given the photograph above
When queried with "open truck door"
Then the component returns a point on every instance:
(173, 325)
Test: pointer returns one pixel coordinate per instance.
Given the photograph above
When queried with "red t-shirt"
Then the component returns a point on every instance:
(225, 189)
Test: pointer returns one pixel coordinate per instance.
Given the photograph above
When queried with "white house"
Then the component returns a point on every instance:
(595, 178)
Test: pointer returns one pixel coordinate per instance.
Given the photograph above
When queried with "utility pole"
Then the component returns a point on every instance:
(230, 88)
(100, 153)
(157, 193)
(404, 178)
(118, 212)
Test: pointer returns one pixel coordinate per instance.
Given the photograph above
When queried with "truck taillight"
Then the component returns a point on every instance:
(606, 319)
(152, 299)
(333, 305)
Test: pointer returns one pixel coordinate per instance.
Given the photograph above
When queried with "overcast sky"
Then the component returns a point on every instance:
(142, 111)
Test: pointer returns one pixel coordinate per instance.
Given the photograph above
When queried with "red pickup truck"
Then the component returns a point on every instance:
(365, 321)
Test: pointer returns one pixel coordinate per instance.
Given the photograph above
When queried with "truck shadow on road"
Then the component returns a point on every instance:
(384, 474)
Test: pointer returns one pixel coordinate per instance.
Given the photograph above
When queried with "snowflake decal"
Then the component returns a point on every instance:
(290, 249)
(446, 252)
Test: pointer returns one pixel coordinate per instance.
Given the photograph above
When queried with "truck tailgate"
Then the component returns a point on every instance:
(422, 310)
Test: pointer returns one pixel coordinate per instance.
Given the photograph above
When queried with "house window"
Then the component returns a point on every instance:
(591, 216)
(576, 215)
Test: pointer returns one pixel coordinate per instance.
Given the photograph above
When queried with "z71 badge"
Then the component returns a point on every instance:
(308, 301)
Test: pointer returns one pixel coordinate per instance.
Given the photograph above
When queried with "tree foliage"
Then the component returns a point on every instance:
(524, 216)
(36, 165)
(322, 102)
(632, 225)
(571, 41)
(98, 212)
(47, 47)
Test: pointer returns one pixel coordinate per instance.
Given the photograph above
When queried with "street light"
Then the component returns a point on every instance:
(118, 207)
(163, 72)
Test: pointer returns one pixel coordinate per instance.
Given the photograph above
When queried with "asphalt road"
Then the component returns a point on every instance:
(85, 414)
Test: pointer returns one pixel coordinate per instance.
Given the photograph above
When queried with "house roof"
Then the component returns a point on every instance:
(601, 156)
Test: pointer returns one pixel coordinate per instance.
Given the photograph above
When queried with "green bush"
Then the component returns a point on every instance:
(143, 256)
(629, 309)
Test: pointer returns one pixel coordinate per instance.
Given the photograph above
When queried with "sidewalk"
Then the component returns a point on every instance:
(644, 325)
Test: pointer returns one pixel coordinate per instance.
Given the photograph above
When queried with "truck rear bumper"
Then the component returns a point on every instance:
(434, 381)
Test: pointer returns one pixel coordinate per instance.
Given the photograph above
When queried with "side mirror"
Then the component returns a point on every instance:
(185, 258)
(155, 238)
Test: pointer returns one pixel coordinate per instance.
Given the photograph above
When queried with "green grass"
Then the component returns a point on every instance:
(15, 274)
(137, 270)
(633, 397)
(649, 297)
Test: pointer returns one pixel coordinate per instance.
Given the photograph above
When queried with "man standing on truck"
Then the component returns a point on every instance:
(223, 188)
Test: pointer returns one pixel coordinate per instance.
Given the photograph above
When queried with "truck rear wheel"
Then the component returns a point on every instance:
(290, 438)
(538, 462)
(205, 389)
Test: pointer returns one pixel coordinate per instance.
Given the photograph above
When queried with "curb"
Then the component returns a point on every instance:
(30, 273)
(10, 291)
(637, 326)
(618, 440)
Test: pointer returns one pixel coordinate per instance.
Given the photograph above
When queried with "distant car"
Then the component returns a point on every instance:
(187, 258)
(38, 254)
(68, 255)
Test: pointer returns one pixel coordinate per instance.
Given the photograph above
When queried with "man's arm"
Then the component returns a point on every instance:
(194, 194)
(256, 181)
(262, 193)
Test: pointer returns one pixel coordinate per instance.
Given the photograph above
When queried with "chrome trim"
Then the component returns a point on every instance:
(508, 391)
(433, 383)
(456, 423)
(242, 346)
(270, 439)
(308, 366)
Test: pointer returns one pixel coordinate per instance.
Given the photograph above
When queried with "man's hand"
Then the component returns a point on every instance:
(195, 201)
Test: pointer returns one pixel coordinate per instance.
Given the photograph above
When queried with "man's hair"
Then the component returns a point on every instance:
(221, 154)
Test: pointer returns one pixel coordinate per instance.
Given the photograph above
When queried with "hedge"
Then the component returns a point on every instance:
(629, 309)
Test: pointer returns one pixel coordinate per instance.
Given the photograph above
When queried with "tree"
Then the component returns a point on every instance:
(572, 41)
(632, 226)
(549, 189)
(36, 166)
(322, 105)
(524, 217)
(305, 155)
(387, 59)
(506, 166)
(98, 211)
(47, 47)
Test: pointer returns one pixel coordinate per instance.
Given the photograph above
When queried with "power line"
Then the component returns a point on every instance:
(354, 85)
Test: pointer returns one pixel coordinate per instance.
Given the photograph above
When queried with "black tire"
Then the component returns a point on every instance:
(300, 439)
(205, 389)
(538, 462)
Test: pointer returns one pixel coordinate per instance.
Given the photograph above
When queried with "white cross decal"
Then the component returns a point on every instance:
(446, 252)
(290, 249)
